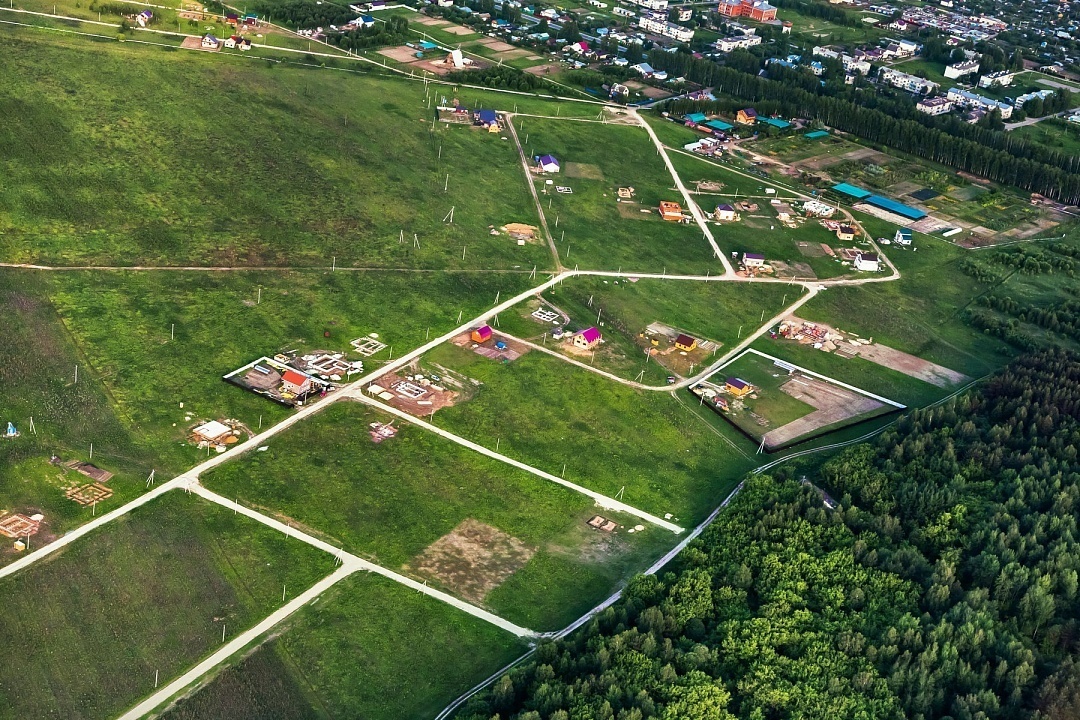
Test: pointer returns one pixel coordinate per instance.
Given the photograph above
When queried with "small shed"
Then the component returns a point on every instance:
(685, 342)
(211, 431)
(295, 382)
(753, 259)
(845, 233)
(481, 334)
(903, 236)
(738, 387)
(724, 212)
(587, 339)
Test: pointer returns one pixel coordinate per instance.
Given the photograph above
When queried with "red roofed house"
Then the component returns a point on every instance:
(295, 383)
(481, 334)
(587, 339)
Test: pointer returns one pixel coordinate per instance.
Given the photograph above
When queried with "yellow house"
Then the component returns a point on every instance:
(738, 387)
(685, 342)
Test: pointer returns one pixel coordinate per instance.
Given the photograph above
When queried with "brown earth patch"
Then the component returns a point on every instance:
(459, 30)
(832, 404)
(473, 559)
(400, 54)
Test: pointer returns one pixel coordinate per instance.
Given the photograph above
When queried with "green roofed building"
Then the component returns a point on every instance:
(775, 122)
(851, 191)
(816, 135)
(719, 125)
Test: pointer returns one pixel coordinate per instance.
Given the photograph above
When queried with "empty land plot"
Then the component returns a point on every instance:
(123, 322)
(148, 593)
(367, 649)
(692, 168)
(546, 412)
(84, 180)
(590, 223)
(394, 500)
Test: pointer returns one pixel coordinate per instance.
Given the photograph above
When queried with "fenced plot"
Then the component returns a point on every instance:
(15, 526)
(89, 493)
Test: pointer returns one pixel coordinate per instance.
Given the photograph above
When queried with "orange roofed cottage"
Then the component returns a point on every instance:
(481, 334)
(295, 383)
(738, 387)
(671, 211)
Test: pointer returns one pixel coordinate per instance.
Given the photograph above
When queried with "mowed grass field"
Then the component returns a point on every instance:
(546, 412)
(594, 231)
(368, 648)
(119, 154)
(390, 501)
(122, 324)
(86, 630)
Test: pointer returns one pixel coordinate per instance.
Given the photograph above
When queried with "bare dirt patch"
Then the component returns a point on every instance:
(400, 54)
(886, 356)
(473, 559)
(584, 170)
(832, 403)
(539, 69)
(459, 30)
(500, 46)
(418, 396)
(433, 22)
(512, 54)
(511, 351)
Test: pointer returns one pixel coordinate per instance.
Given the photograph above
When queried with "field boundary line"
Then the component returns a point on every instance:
(780, 362)
(602, 500)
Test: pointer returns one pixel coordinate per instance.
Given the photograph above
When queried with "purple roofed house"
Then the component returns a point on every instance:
(547, 163)
(587, 339)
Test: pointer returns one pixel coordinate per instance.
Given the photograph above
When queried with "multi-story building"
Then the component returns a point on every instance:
(935, 106)
(757, 10)
(904, 81)
(1003, 78)
(739, 41)
(1036, 95)
(669, 30)
(966, 99)
(960, 69)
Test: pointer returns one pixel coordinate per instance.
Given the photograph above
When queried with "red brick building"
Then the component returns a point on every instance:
(757, 10)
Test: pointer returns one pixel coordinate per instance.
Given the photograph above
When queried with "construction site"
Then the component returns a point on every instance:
(778, 404)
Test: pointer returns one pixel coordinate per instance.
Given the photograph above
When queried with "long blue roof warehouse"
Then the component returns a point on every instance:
(878, 201)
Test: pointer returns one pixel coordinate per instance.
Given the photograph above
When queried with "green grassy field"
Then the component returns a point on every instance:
(1062, 138)
(151, 592)
(390, 501)
(593, 230)
(280, 165)
(367, 649)
(545, 412)
(122, 324)
(694, 168)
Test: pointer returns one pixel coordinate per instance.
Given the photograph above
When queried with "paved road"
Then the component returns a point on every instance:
(602, 500)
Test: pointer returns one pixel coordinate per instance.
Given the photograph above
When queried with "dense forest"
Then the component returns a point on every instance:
(791, 93)
(943, 585)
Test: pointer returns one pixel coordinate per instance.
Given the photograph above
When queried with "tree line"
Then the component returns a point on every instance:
(944, 584)
(980, 151)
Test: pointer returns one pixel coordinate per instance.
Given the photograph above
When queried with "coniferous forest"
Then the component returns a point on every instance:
(943, 585)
